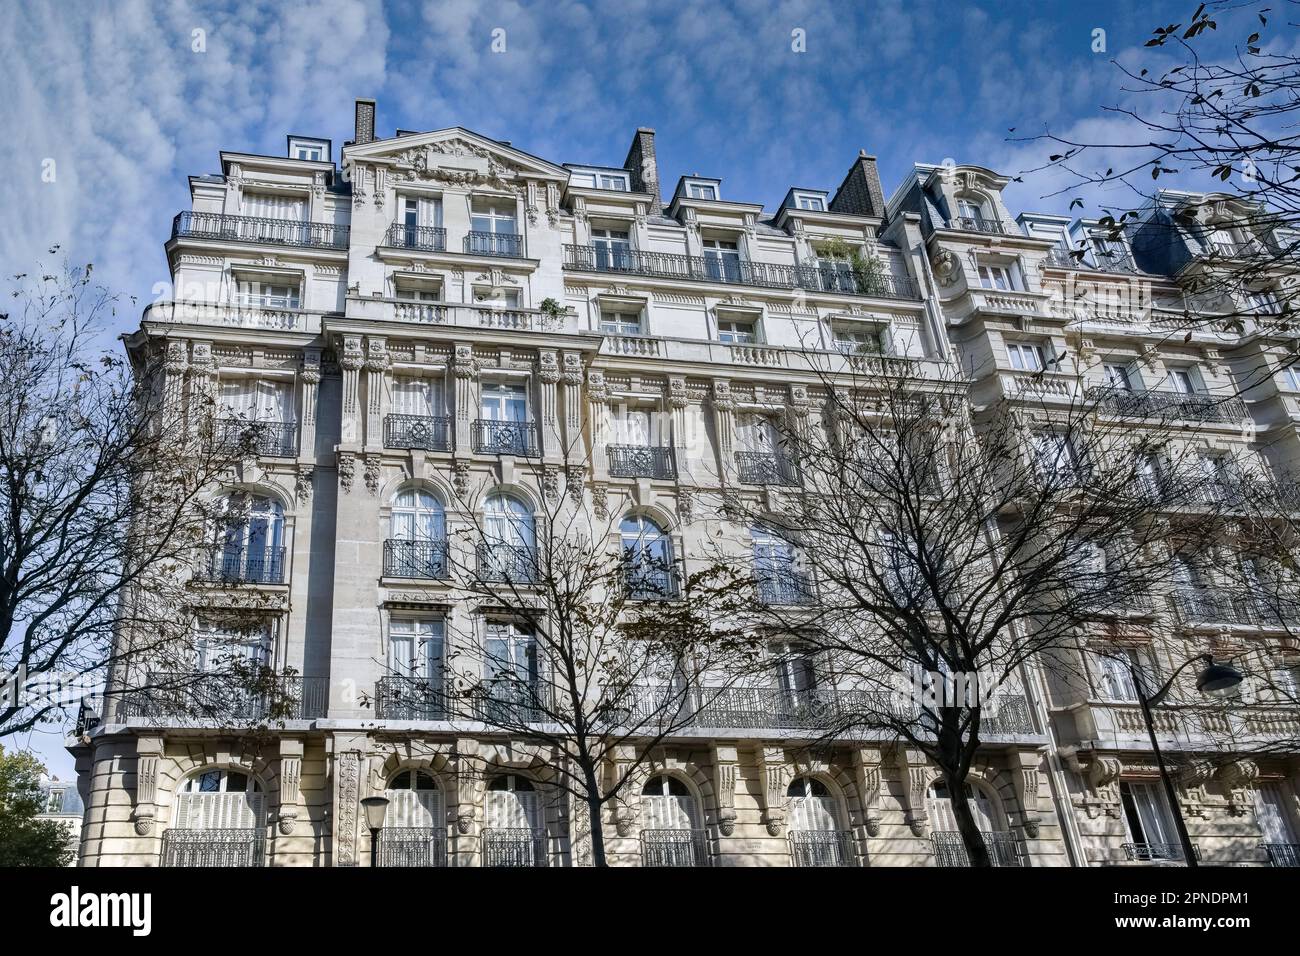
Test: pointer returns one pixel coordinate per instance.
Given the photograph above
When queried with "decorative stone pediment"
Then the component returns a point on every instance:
(454, 156)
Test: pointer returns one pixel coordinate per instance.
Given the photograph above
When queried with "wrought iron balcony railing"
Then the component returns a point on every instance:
(822, 848)
(815, 277)
(1003, 848)
(506, 244)
(514, 847)
(219, 565)
(226, 696)
(785, 587)
(1282, 854)
(1233, 250)
(1156, 852)
(425, 559)
(421, 238)
(978, 224)
(426, 432)
(413, 846)
(1093, 261)
(284, 232)
(1209, 607)
(507, 563)
(1168, 405)
(411, 698)
(510, 703)
(674, 848)
(267, 439)
(213, 848)
(641, 461)
(647, 582)
(505, 438)
(765, 468)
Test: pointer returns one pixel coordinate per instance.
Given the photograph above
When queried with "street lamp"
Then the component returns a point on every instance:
(1216, 680)
(376, 808)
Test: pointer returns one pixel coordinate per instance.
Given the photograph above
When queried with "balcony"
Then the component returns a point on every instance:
(413, 846)
(1203, 606)
(641, 461)
(505, 438)
(281, 232)
(649, 583)
(785, 588)
(505, 244)
(1282, 854)
(426, 432)
(411, 698)
(1168, 406)
(264, 439)
(514, 847)
(765, 468)
(1003, 848)
(226, 697)
(1094, 261)
(416, 559)
(1225, 249)
(213, 848)
(992, 227)
(735, 271)
(241, 566)
(510, 702)
(420, 238)
(1157, 852)
(240, 315)
(674, 848)
(822, 848)
(507, 563)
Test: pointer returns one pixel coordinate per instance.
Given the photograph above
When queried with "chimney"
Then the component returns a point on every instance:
(641, 164)
(365, 122)
(860, 193)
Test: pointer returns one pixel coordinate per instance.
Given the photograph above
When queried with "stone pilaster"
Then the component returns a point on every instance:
(548, 426)
(914, 772)
(465, 372)
(571, 376)
(290, 777)
(351, 361)
(724, 415)
(725, 770)
(867, 776)
(377, 362)
(347, 803)
(148, 752)
(775, 776)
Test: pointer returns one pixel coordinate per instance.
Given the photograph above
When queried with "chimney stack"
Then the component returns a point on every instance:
(860, 194)
(640, 163)
(365, 122)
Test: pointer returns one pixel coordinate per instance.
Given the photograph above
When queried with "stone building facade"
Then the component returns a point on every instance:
(444, 323)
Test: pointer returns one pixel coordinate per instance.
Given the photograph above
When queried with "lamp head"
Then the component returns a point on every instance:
(376, 808)
(1218, 680)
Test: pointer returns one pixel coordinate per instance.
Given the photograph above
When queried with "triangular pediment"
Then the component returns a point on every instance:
(454, 155)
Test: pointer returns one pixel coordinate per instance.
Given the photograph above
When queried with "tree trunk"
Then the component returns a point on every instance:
(593, 813)
(977, 852)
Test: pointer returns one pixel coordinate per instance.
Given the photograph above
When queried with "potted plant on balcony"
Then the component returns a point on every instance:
(552, 312)
(867, 270)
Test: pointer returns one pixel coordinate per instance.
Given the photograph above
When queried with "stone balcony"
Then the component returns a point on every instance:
(1120, 725)
(230, 315)
(460, 315)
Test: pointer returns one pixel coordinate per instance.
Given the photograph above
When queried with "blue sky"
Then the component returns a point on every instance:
(119, 102)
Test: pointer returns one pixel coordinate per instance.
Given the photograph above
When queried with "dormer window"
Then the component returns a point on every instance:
(809, 201)
(701, 191)
(600, 179)
(614, 181)
(308, 149)
(969, 209)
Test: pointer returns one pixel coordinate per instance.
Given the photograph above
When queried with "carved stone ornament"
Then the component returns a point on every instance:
(686, 504)
(946, 267)
(574, 476)
(372, 473)
(347, 462)
(303, 486)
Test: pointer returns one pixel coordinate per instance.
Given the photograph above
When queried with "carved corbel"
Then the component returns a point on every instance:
(725, 770)
(866, 770)
(914, 772)
(775, 776)
(148, 751)
(627, 802)
(1028, 779)
(1238, 778)
(290, 776)
(468, 785)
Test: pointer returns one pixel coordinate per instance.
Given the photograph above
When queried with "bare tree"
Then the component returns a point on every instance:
(590, 643)
(925, 550)
(101, 511)
(1222, 121)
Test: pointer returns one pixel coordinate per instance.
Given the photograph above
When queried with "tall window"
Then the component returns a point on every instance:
(1291, 375)
(647, 557)
(1146, 816)
(249, 539)
(418, 396)
(812, 808)
(417, 516)
(508, 534)
(852, 340)
(513, 804)
(1183, 380)
(504, 402)
(257, 400)
(1056, 458)
(939, 803)
(273, 206)
(221, 647)
(1117, 377)
(722, 259)
(267, 295)
(415, 648)
(970, 209)
(1273, 813)
(218, 800)
(796, 671)
(1262, 301)
(632, 426)
(995, 276)
(1116, 667)
(757, 433)
(512, 655)
(1028, 357)
(414, 801)
(620, 323)
(493, 215)
(613, 248)
(668, 804)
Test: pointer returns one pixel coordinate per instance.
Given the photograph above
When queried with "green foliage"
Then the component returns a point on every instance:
(868, 271)
(24, 840)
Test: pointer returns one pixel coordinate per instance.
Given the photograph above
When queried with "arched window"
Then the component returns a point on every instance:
(817, 837)
(417, 543)
(949, 848)
(247, 543)
(972, 211)
(414, 800)
(672, 833)
(515, 834)
(218, 800)
(939, 803)
(647, 559)
(508, 552)
(417, 516)
(776, 566)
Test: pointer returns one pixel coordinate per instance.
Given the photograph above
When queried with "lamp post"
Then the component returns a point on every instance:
(1216, 679)
(376, 808)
